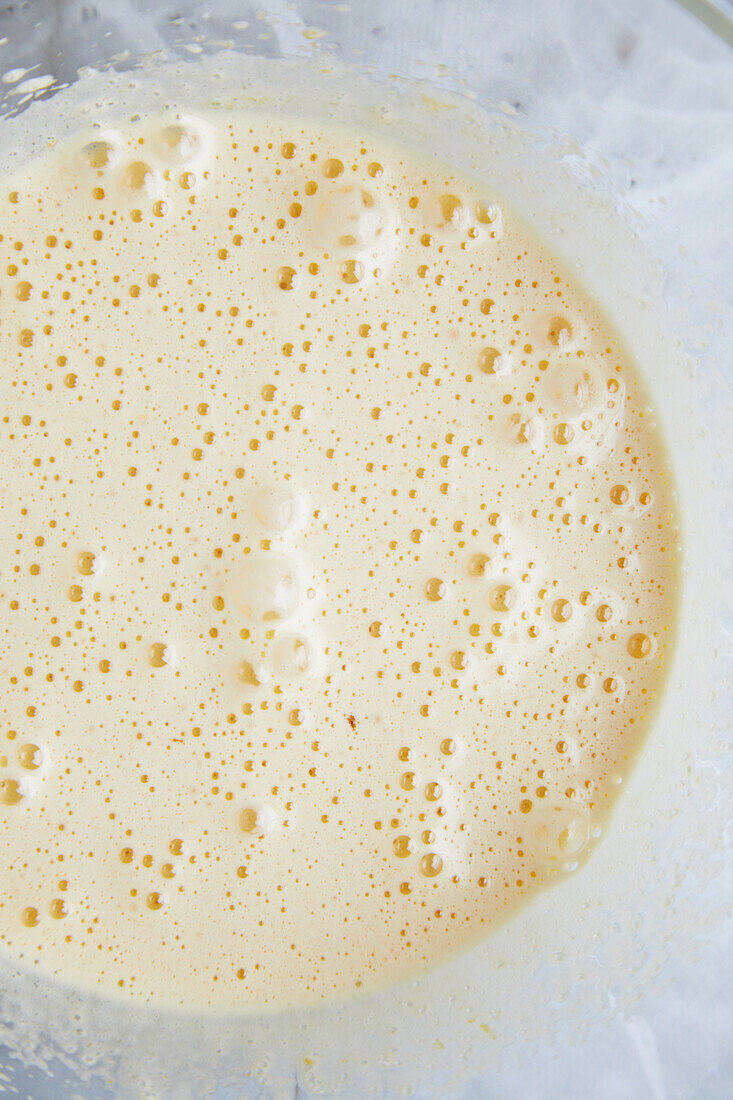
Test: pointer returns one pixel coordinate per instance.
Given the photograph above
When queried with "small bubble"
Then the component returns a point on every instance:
(458, 660)
(269, 587)
(433, 792)
(138, 176)
(477, 565)
(491, 361)
(177, 143)
(407, 781)
(525, 805)
(89, 564)
(30, 917)
(563, 434)
(59, 908)
(99, 154)
(502, 597)
(486, 212)
(375, 629)
(23, 291)
(30, 757)
(435, 589)
(619, 494)
(288, 150)
(257, 821)
(287, 278)
(333, 168)
(252, 673)
(431, 865)
(559, 332)
(452, 212)
(293, 654)
(402, 847)
(10, 794)
(161, 655)
(351, 271)
(448, 746)
(126, 855)
(279, 508)
(562, 611)
(639, 645)
(604, 613)
(155, 900)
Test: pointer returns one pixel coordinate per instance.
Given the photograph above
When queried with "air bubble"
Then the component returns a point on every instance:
(487, 213)
(563, 434)
(90, 564)
(10, 793)
(269, 588)
(451, 212)
(30, 757)
(333, 168)
(177, 144)
(352, 271)
(293, 655)
(279, 508)
(435, 589)
(640, 646)
(287, 278)
(431, 865)
(477, 565)
(252, 673)
(502, 597)
(560, 332)
(161, 655)
(562, 611)
(138, 176)
(491, 361)
(559, 833)
(402, 847)
(257, 821)
(100, 154)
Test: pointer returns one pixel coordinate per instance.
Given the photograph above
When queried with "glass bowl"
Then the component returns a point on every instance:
(607, 124)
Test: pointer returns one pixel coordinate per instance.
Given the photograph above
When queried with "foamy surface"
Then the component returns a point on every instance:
(338, 572)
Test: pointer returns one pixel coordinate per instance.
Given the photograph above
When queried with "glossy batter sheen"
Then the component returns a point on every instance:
(337, 569)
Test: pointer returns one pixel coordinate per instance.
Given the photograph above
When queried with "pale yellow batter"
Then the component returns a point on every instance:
(337, 571)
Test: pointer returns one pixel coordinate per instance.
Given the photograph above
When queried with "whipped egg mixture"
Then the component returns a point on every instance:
(337, 569)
